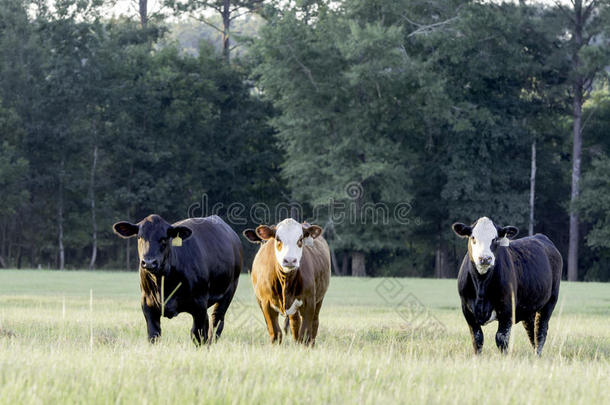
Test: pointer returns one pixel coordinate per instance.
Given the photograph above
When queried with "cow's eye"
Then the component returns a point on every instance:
(473, 240)
(278, 245)
(300, 243)
(163, 242)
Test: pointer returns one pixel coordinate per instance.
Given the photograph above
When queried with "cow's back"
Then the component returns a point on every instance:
(554, 256)
(538, 265)
(213, 251)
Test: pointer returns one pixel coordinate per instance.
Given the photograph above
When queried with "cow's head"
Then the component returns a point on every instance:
(484, 238)
(154, 240)
(288, 237)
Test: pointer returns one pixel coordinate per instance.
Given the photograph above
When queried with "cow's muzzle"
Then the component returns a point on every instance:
(289, 269)
(151, 265)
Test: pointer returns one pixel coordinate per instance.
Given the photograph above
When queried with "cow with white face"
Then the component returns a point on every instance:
(290, 275)
(483, 240)
(289, 239)
(508, 281)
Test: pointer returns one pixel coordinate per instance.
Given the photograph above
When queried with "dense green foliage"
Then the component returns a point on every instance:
(384, 121)
(167, 128)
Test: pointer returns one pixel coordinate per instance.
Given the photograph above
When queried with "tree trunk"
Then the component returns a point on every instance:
(358, 265)
(93, 220)
(443, 267)
(60, 219)
(19, 256)
(438, 262)
(438, 258)
(127, 254)
(4, 240)
(333, 261)
(226, 30)
(576, 160)
(577, 89)
(143, 9)
(131, 210)
(530, 230)
(344, 264)
(437, 267)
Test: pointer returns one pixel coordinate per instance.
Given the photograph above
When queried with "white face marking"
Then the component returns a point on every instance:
(289, 244)
(483, 234)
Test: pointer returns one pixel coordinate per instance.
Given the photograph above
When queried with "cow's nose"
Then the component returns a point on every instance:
(149, 264)
(290, 262)
(485, 260)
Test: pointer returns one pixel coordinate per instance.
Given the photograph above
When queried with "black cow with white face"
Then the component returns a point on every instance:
(499, 274)
(197, 261)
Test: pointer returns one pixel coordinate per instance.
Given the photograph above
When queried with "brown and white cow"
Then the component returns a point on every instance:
(290, 275)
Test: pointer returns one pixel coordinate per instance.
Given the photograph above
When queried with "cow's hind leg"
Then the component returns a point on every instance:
(199, 331)
(542, 323)
(218, 314)
(529, 325)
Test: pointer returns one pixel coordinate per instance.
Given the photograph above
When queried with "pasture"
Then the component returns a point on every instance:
(380, 341)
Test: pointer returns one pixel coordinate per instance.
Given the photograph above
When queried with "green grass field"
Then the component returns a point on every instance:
(380, 341)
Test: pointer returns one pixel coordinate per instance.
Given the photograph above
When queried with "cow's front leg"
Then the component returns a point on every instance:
(273, 326)
(201, 324)
(306, 332)
(295, 325)
(503, 334)
(476, 333)
(153, 322)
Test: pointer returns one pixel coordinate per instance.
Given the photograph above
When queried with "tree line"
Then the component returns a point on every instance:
(383, 121)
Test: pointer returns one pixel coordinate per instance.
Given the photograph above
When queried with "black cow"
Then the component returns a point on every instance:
(497, 275)
(198, 260)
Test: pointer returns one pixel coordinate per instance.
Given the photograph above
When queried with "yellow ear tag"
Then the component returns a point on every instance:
(177, 241)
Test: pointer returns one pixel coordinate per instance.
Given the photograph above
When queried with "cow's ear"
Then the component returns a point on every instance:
(181, 231)
(125, 229)
(251, 235)
(508, 231)
(461, 230)
(311, 231)
(265, 232)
